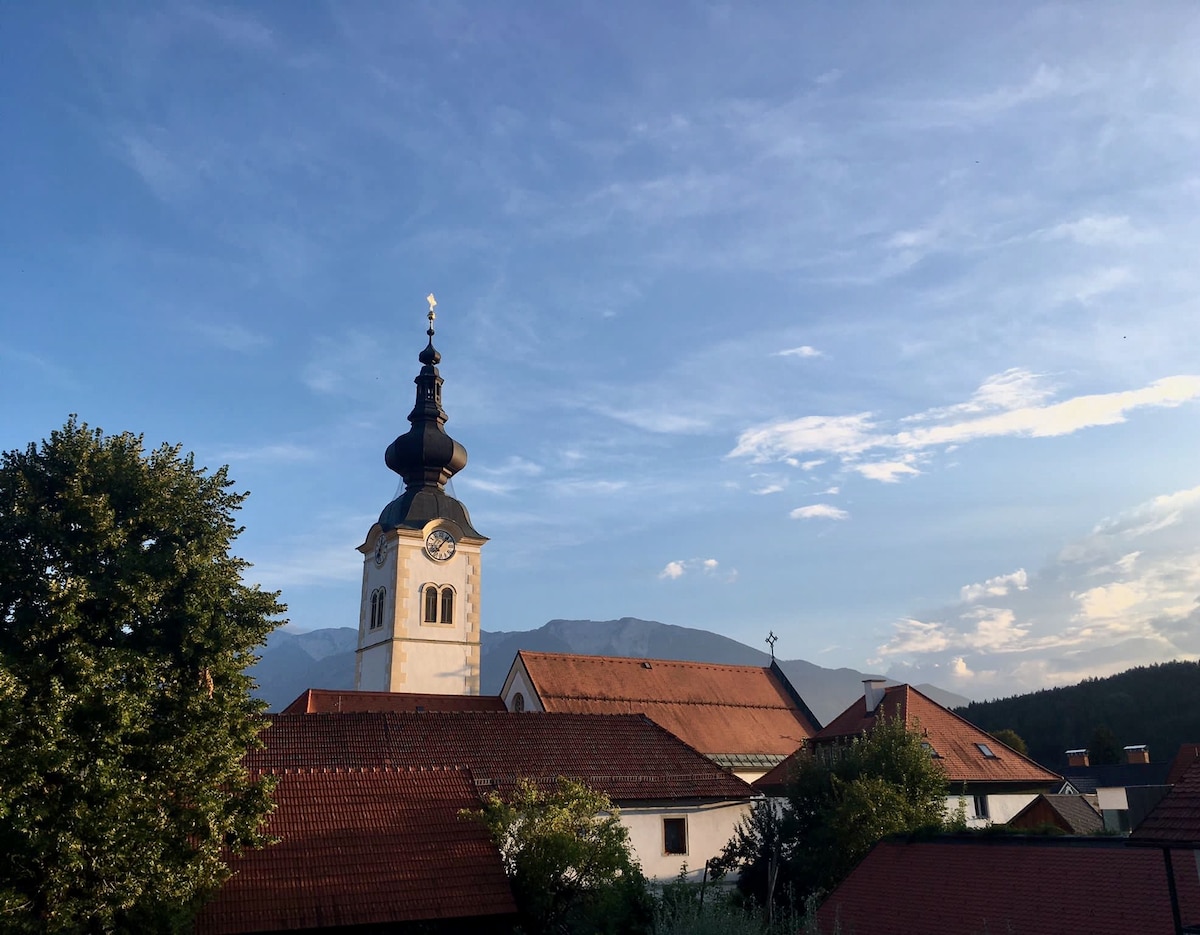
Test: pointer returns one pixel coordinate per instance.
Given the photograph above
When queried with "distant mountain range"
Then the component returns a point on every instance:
(293, 661)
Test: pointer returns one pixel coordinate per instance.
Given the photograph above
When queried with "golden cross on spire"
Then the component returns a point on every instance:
(432, 305)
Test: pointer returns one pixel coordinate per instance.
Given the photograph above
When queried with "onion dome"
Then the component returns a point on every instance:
(425, 456)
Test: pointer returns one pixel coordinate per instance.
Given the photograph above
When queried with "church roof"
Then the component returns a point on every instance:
(961, 747)
(718, 709)
(364, 847)
(336, 701)
(629, 757)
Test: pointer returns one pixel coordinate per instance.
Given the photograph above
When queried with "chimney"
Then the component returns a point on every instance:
(873, 693)
(1137, 753)
(1077, 758)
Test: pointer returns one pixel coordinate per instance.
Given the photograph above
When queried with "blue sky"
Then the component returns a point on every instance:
(874, 325)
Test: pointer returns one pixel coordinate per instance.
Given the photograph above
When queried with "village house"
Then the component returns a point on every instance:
(1036, 885)
(990, 780)
(745, 718)
(680, 807)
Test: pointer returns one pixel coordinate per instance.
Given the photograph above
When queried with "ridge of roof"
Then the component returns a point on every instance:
(688, 663)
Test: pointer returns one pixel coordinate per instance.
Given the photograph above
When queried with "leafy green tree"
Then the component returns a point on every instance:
(1010, 738)
(839, 802)
(1104, 750)
(124, 711)
(568, 859)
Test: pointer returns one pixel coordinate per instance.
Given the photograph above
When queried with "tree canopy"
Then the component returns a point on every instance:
(840, 801)
(124, 711)
(568, 859)
(1138, 706)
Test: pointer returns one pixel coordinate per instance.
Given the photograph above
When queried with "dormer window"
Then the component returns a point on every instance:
(986, 751)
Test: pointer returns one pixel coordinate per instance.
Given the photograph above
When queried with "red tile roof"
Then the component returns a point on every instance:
(1034, 886)
(1188, 754)
(718, 709)
(1175, 819)
(628, 756)
(954, 739)
(331, 701)
(364, 847)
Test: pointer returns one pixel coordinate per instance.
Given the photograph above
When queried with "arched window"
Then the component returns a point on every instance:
(431, 604)
(518, 702)
(377, 605)
(447, 605)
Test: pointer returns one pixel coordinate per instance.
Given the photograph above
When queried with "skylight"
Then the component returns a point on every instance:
(986, 751)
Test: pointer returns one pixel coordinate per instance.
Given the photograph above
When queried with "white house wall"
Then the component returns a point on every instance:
(518, 682)
(709, 829)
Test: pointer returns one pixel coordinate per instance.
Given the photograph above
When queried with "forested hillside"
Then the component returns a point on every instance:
(1154, 705)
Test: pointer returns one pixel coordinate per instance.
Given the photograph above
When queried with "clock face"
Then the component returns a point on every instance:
(439, 545)
(380, 550)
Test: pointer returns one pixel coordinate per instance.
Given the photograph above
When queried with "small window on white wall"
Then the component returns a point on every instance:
(674, 835)
(431, 604)
(518, 702)
(447, 605)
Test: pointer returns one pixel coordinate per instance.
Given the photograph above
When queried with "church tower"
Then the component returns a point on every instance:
(418, 626)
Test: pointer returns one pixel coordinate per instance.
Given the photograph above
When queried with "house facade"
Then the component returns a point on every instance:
(988, 780)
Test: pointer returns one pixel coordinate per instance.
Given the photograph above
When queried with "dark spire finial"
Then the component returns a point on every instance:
(430, 356)
(770, 641)
(425, 456)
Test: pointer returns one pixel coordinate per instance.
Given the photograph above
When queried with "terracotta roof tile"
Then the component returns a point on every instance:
(1049, 886)
(954, 739)
(718, 709)
(331, 701)
(1176, 819)
(1188, 753)
(628, 756)
(364, 847)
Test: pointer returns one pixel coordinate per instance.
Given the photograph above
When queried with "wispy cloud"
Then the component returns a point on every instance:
(1007, 405)
(803, 350)
(819, 511)
(995, 587)
(233, 337)
(710, 567)
(281, 452)
(1097, 608)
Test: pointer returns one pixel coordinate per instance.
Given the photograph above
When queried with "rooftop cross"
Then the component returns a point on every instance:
(770, 641)
(432, 305)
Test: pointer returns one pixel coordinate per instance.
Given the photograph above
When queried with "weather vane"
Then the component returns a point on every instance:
(770, 641)
(432, 305)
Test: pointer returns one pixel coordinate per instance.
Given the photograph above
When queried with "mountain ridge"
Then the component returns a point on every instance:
(292, 662)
